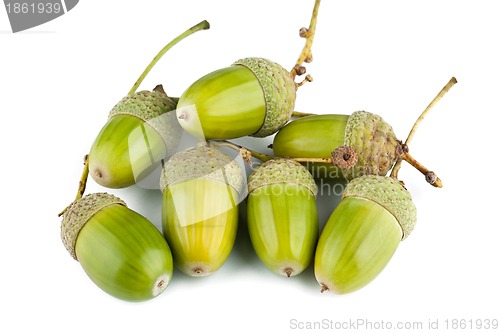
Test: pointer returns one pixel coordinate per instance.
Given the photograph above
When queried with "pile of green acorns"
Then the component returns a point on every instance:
(202, 187)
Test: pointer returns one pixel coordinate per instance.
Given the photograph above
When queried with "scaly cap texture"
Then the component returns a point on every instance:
(389, 193)
(79, 212)
(152, 108)
(375, 143)
(281, 170)
(279, 92)
(202, 161)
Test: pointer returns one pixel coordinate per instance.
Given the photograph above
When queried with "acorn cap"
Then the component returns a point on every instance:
(279, 92)
(151, 107)
(375, 143)
(389, 193)
(79, 212)
(281, 170)
(202, 161)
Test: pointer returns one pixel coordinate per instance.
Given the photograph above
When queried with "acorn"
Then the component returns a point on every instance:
(120, 250)
(252, 97)
(282, 215)
(364, 141)
(202, 187)
(317, 136)
(374, 215)
(141, 131)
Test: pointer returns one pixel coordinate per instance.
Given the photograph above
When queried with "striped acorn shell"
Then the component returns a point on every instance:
(390, 194)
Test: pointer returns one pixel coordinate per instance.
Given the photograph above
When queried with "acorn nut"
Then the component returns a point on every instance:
(120, 250)
(317, 136)
(141, 131)
(202, 188)
(254, 96)
(363, 232)
(282, 215)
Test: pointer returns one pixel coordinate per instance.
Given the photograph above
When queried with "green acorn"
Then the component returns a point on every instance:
(140, 132)
(120, 250)
(254, 96)
(282, 215)
(356, 145)
(202, 188)
(317, 136)
(363, 232)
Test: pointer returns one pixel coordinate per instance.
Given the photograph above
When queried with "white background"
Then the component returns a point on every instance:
(59, 80)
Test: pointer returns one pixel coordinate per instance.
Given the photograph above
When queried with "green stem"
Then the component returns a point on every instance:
(203, 25)
(343, 157)
(308, 34)
(298, 114)
(83, 179)
(245, 153)
(436, 99)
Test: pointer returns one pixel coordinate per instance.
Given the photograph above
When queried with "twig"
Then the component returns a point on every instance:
(245, 153)
(442, 92)
(83, 181)
(203, 25)
(298, 114)
(343, 157)
(430, 176)
(308, 34)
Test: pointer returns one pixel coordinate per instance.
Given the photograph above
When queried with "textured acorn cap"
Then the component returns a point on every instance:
(279, 92)
(389, 193)
(151, 107)
(79, 212)
(203, 161)
(281, 170)
(375, 143)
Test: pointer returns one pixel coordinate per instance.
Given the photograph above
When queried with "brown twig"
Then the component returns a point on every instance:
(405, 156)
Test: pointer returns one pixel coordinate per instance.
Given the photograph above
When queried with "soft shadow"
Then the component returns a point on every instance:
(243, 252)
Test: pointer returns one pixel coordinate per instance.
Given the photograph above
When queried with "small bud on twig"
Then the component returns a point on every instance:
(304, 32)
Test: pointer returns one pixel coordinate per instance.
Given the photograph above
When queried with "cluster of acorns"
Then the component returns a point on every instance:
(202, 187)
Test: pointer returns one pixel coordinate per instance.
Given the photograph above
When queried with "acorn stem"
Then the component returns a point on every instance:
(245, 153)
(326, 160)
(203, 25)
(308, 34)
(343, 157)
(430, 176)
(83, 182)
(83, 179)
(436, 99)
(298, 114)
